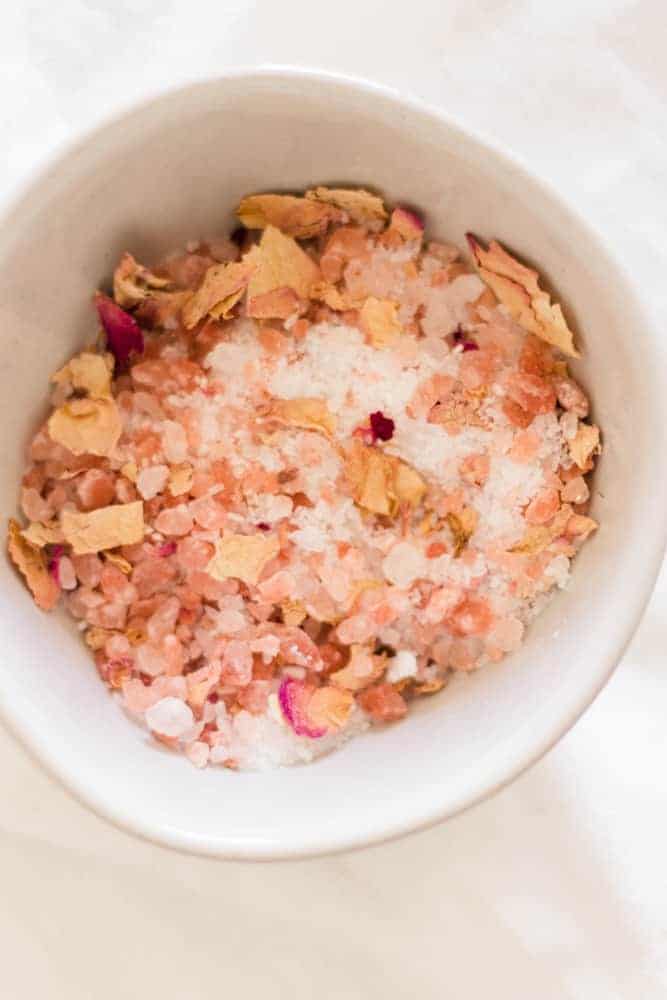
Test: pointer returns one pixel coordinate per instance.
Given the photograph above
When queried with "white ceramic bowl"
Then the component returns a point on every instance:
(174, 168)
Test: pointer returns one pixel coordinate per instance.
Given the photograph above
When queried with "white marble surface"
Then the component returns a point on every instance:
(556, 888)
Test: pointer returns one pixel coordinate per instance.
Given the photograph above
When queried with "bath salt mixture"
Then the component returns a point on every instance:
(305, 474)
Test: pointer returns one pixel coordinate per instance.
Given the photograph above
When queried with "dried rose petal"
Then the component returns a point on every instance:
(293, 696)
(54, 561)
(517, 287)
(407, 224)
(381, 426)
(123, 333)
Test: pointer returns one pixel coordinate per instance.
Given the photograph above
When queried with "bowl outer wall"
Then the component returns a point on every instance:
(247, 131)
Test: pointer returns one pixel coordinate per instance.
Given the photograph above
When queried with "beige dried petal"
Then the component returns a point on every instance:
(462, 527)
(86, 426)
(517, 287)
(31, 563)
(381, 483)
(132, 282)
(325, 292)
(361, 206)
(105, 528)
(362, 669)
(130, 471)
(535, 539)
(180, 479)
(429, 687)
(222, 287)
(309, 413)
(580, 526)
(41, 534)
(294, 612)
(88, 372)
(96, 637)
(584, 444)
(294, 216)
(279, 262)
(408, 485)
(379, 321)
(122, 564)
(281, 303)
(242, 556)
(330, 707)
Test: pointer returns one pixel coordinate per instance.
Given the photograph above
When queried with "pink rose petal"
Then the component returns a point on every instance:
(293, 696)
(123, 332)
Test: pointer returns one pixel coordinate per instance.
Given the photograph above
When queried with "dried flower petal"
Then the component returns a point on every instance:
(310, 413)
(293, 612)
(280, 303)
(407, 224)
(325, 292)
(31, 563)
(362, 669)
(293, 697)
(180, 479)
(300, 217)
(105, 528)
(242, 556)
(330, 707)
(122, 564)
(535, 540)
(223, 286)
(41, 534)
(380, 483)
(517, 287)
(462, 527)
(132, 282)
(86, 426)
(379, 321)
(88, 372)
(382, 427)
(122, 330)
(584, 444)
(279, 262)
(361, 206)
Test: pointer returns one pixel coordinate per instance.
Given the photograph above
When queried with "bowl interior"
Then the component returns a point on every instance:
(175, 169)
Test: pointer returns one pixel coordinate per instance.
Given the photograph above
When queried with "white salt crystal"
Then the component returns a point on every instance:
(403, 665)
(151, 481)
(404, 564)
(170, 717)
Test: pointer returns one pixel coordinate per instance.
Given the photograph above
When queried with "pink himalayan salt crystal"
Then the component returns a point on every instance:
(116, 586)
(575, 491)
(109, 615)
(34, 506)
(175, 442)
(193, 553)
(208, 513)
(118, 647)
(138, 696)
(198, 753)
(170, 717)
(471, 616)
(237, 663)
(95, 488)
(163, 621)
(65, 575)
(153, 576)
(298, 649)
(152, 480)
(506, 634)
(150, 659)
(254, 697)
(383, 703)
(543, 507)
(174, 520)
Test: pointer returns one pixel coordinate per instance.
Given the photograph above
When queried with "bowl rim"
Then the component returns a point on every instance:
(523, 754)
